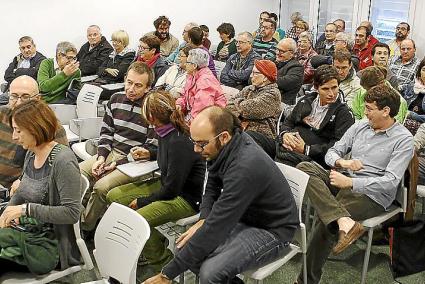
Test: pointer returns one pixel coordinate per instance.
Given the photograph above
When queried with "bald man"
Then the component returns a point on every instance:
(248, 215)
(12, 155)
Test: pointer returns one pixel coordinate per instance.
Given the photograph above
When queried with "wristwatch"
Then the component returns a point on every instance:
(24, 209)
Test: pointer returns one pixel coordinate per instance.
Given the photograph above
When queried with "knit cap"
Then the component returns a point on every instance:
(267, 68)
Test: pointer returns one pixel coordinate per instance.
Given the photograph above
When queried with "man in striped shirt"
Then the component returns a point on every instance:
(265, 45)
(123, 128)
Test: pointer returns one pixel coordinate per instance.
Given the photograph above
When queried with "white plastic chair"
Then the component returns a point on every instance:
(371, 223)
(28, 278)
(420, 191)
(79, 149)
(297, 181)
(85, 124)
(119, 240)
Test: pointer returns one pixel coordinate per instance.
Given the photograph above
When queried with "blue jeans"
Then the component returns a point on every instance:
(245, 248)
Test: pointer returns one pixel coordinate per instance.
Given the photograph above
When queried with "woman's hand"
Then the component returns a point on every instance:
(140, 153)
(133, 204)
(14, 186)
(9, 214)
(112, 72)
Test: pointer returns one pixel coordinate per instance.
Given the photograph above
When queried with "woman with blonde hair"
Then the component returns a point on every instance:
(177, 193)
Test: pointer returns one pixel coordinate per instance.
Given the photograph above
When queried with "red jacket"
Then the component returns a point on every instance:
(365, 55)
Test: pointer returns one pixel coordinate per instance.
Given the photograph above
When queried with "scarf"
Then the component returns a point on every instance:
(151, 62)
(163, 130)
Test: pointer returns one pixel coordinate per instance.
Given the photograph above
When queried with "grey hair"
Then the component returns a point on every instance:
(192, 25)
(347, 38)
(296, 16)
(306, 35)
(95, 26)
(248, 36)
(290, 42)
(64, 47)
(26, 38)
(199, 56)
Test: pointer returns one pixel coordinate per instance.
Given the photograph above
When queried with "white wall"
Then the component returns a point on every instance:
(418, 27)
(52, 21)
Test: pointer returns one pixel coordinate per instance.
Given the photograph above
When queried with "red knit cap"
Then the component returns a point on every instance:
(267, 68)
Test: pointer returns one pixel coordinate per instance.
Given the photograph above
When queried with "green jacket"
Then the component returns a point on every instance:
(358, 106)
(53, 86)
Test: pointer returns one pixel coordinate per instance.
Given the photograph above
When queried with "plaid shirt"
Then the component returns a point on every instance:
(405, 73)
(291, 33)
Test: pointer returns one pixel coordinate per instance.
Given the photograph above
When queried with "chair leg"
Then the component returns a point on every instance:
(181, 278)
(305, 268)
(307, 214)
(366, 256)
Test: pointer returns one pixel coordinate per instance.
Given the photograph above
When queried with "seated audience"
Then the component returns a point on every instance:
(12, 155)
(327, 46)
(195, 36)
(258, 106)
(94, 52)
(177, 193)
(47, 201)
(279, 33)
(359, 187)
(202, 88)
(292, 31)
(239, 66)
(373, 40)
(227, 45)
(290, 73)
(317, 121)
(123, 128)
(149, 53)
(174, 56)
(305, 52)
(174, 78)
(248, 215)
(405, 65)
(114, 67)
(340, 28)
(169, 43)
(205, 40)
(25, 63)
(414, 93)
(300, 27)
(373, 76)
(401, 33)
(380, 57)
(265, 43)
(363, 47)
(349, 83)
(419, 141)
(55, 77)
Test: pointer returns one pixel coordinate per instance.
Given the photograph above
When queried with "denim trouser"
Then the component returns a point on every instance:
(155, 213)
(245, 248)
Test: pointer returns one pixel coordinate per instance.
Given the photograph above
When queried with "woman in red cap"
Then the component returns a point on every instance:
(258, 105)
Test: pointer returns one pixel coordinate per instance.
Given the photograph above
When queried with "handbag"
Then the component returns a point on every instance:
(407, 247)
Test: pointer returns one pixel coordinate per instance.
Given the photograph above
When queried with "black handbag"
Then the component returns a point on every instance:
(407, 247)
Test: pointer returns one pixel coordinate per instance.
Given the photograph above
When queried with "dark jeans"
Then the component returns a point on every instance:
(264, 142)
(245, 248)
(330, 204)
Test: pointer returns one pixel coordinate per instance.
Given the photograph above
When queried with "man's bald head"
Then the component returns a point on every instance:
(21, 89)
(217, 120)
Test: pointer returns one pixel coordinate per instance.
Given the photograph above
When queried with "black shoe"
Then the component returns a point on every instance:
(113, 281)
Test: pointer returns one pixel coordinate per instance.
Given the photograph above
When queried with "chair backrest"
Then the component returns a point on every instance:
(297, 181)
(87, 101)
(119, 240)
(64, 112)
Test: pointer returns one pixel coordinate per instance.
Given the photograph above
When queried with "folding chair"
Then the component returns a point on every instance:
(298, 182)
(119, 240)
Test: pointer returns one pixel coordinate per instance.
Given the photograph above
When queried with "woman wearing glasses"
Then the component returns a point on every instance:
(202, 88)
(178, 192)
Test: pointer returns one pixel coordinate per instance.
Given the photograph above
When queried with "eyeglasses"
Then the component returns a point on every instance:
(203, 144)
(69, 58)
(281, 51)
(141, 48)
(24, 97)
(241, 42)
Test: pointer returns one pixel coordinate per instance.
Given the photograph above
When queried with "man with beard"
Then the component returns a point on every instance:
(401, 33)
(363, 47)
(162, 30)
(248, 215)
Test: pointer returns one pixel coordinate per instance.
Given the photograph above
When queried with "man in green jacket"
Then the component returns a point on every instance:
(54, 77)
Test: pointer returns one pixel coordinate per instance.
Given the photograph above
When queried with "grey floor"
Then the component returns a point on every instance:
(346, 268)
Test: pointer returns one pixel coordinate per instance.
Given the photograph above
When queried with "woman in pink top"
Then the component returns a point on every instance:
(202, 89)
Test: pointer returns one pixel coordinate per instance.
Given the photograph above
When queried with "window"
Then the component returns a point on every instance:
(291, 6)
(330, 10)
(385, 15)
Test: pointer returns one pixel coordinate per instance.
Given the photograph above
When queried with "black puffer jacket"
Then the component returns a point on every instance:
(119, 61)
(12, 72)
(290, 77)
(90, 60)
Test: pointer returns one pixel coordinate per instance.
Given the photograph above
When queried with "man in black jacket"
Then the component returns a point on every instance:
(290, 74)
(248, 214)
(25, 63)
(94, 52)
(318, 120)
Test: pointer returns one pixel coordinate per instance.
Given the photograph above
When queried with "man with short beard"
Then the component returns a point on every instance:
(401, 33)
(169, 43)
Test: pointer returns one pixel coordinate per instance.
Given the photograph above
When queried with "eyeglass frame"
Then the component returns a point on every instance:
(14, 97)
(203, 144)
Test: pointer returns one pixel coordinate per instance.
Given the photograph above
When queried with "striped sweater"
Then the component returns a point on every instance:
(123, 128)
(266, 49)
(11, 154)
